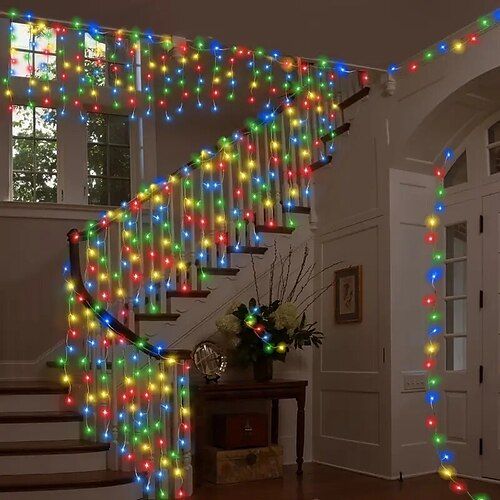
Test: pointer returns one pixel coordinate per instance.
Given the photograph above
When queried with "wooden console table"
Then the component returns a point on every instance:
(230, 391)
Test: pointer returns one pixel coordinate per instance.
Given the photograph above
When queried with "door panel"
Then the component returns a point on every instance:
(491, 338)
(459, 411)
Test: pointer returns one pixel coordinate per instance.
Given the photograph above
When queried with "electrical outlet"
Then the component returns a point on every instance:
(414, 381)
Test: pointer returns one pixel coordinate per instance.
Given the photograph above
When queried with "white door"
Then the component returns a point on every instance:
(491, 338)
(459, 410)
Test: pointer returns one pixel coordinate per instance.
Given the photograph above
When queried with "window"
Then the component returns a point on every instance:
(108, 159)
(34, 154)
(456, 297)
(457, 174)
(494, 148)
(106, 59)
(33, 51)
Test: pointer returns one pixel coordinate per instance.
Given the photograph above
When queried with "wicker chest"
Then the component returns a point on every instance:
(250, 464)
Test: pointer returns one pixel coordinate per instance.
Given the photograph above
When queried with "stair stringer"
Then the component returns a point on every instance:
(197, 321)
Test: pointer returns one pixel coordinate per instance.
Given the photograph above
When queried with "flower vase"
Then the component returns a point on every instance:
(263, 369)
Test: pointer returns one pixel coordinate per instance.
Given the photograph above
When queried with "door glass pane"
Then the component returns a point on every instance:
(457, 174)
(456, 240)
(456, 278)
(495, 160)
(456, 316)
(456, 353)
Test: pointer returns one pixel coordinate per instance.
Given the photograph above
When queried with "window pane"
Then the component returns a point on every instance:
(456, 240)
(46, 188)
(118, 130)
(456, 353)
(119, 162)
(23, 186)
(97, 160)
(21, 64)
(45, 40)
(457, 174)
(456, 316)
(456, 278)
(96, 71)
(45, 67)
(94, 49)
(21, 36)
(119, 191)
(46, 156)
(98, 191)
(45, 123)
(23, 154)
(22, 121)
(96, 128)
(494, 133)
(118, 52)
(494, 160)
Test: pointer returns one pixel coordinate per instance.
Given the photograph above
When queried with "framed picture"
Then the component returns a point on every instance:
(348, 295)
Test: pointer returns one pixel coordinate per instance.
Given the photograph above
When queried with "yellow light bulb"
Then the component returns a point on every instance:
(431, 348)
(66, 379)
(281, 347)
(447, 472)
(177, 472)
(432, 221)
(70, 286)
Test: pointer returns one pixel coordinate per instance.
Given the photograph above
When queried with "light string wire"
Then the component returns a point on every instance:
(435, 328)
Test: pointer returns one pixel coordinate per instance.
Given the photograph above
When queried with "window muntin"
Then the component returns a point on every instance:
(106, 59)
(34, 154)
(33, 51)
(456, 297)
(108, 164)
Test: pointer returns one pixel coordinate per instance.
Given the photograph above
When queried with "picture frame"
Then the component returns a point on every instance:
(349, 295)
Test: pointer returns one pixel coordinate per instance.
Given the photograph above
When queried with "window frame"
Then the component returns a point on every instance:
(34, 139)
(33, 53)
(108, 145)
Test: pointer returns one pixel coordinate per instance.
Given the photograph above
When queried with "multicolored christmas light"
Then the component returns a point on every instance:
(435, 328)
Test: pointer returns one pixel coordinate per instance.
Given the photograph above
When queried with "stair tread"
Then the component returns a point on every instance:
(66, 480)
(13, 387)
(221, 271)
(39, 416)
(51, 447)
(245, 249)
(297, 209)
(274, 229)
(156, 316)
(190, 293)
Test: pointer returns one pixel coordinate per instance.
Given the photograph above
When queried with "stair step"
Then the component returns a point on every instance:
(354, 98)
(297, 210)
(190, 294)
(342, 129)
(33, 417)
(320, 163)
(65, 481)
(246, 250)
(156, 317)
(9, 387)
(51, 447)
(220, 271)
(50, 457)
(274, 229)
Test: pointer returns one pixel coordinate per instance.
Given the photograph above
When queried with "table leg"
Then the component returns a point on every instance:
(275, 419)
(301, 401)
(199, 441)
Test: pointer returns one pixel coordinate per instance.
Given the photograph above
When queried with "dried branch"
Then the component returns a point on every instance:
(299, 275)
(315, 298)
(271, 278)
(285, 281)
(255, 279)
(307, 277)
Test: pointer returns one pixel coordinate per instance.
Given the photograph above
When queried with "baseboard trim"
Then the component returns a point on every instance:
(372, 474)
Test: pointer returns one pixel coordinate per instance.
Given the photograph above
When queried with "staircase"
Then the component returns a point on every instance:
(118, 426)
(42, 455)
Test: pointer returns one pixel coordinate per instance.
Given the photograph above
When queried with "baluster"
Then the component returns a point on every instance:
(268, 206)
(140, 251)
(164, 267)
(171, 283)
(244, 228)
(259, 218)
(182, 215)
(114, 457)
(177, 479)
(222, 217)
(186, 432)
(275, 177)
(283, 171)
(230, 190)
(293, 142)
(191, 231)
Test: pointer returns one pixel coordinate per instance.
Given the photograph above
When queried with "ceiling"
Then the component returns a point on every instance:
(371, 32)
